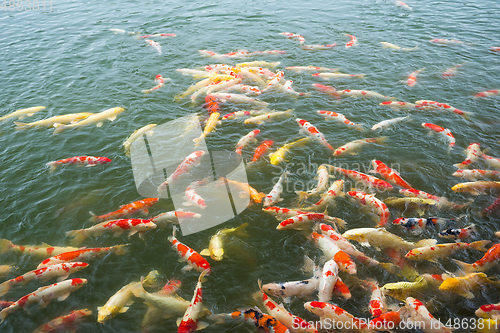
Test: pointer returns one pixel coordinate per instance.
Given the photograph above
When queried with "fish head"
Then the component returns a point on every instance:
(107, 312)
(315, 307)
(217, 254)
(103, 160)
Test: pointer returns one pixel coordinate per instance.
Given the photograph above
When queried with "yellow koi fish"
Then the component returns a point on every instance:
(96, 118)
(209, 127)
(464, 285)
(476, 188)
(216, 246)
(49, 122)
(23, 113)
(279, 156)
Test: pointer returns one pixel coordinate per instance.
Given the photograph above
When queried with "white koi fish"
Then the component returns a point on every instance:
(154, 44)
(396, 47)
(361, 93)
(242, 113)
(173, 217)
(492, 161)
(290, 35)
(258, 63)
(243, 88)
(188, 164)
(487, 93)
(313, 132)
(274, 196)
(274, 82)
(286, 88)
(318, 47)
(237, 98)
(323, 177)
(445, 41)
(146, 130)
(330, 313)
(311, 68)
(401, 4)
(473, 153)
(368, 200)
(244, 141)
(116, 226)
(385, 124)
(190, 321)
(20, 114)
(96, 118)
(400, 105)
(257, 120)
(160, 82)
(357, 144)
(328, 76)
(49, 122)
(328, 198)
(433, 252)
(332, 251)
(340, 118)
(44, 295)
(420, 314)
(328, 280)
(301, 221)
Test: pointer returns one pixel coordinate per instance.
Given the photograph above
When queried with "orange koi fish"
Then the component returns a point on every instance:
(301, 220)
(400, 105)
(245, 187)
(489, 260)
(127, 210)
(389, 174)
(64, 323)
(366, 180)
(487, 93)
(83, 255)
(340, 118)
(334, 313)
(370, 200)
(290, 35)
(327, 90)
(190, 322)
(412, 78)
(436, 105)
(194, 259)
(312, 131)
(473, 153)
(444, 132)
(264, 322)
(377, 306)
(331, 250)
(40, 251)
(88, 161)
(188, 164)
(160, 82)
(352, 42)
(193, 198)
(44, 295)
(386, 321)
(244, 141)
(262, 149)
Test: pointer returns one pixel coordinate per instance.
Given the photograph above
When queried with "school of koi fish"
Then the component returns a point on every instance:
(425, 276)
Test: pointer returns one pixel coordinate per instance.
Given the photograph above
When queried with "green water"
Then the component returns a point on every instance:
(68, 60)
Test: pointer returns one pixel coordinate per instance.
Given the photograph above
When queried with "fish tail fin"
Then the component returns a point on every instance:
(391, 268)
(382, 140)
(5, 287)
(59, 128)
(94, 217)
(52, 166)
(339, 222)
(480, 245)
(120, 249)
(464, 267)
(21, 125)
(303, 195)
(467, 115)
(3, 315)
(241, 230)
(198, 140)
(360, 76)
(5, 245)
(78, 235)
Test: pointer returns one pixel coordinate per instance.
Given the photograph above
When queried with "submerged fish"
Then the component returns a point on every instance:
(23, 113)
(216, 245)
(96, 118)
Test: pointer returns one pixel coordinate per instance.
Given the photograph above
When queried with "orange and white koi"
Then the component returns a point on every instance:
(437, 105)
(476, 174)
(40, 251)
(477, 187)
(495, 48)
(232, 55)
(366, 180)
(49, 122)
(381, 238)
(376, 306)
(283, 213)
(417, 225)
(158, 35)
(489, 311)
(243, 88)
(313, 132)
(328, 76)
(96, 118)
(419, 313)
(451, 71)
(441, 201)
(459, 234)
(290, 35)
(116, 226)
(401, 4)
(327, 90)
(332, 313)
(237, 98)
(20, 114)
(44, 295)
(328, 198)
(274, 196)
(389, 174)
(473, 153)
(286, 88)
(328, 280)
(88, 161)
(294, 323)
(137, 134)
(193, 198)
(64, 323)
(173, 217)
(127, 210)
(443, 250)
(259, 63)
(412, 78)
(340, 118)
(154, 44)
(311, 68)
(489, 260)
(361, 93)
(492, 161)
(83, 255)
(61, 271)
(317, 47)
(385, 124)
(259, 119)
(332, 251)
(278, 156)
(190, 321)
(352, 42)
(322, 185)
(237, 114)
(386, 321)
(194, 259)
(244, 141)
(263, 322)
(374, 203)
(274, 82)
(262, 149)
(300, 220)
(160, 82)
(209, 127)
(488, 93)
(400, 105)
(444, 132)
(445, 41)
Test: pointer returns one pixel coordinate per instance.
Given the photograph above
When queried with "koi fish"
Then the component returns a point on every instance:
(216, 245)
(88, 161)
(127, 210)
(323, 177)
(437, 105)
(244, 141)
(193, 258)
(412, 78)
(464, 285)
(381, 238)
(328, 76)
(279, 155)
(492, 208)
(154, 44)
(362, 93)
(290, 35)
(385, 124)
(487, 93)
(313, 132)
(6, 269)
(259, 63)
(298, 221)
(66, 322)
(444, 132)
(473, 153)
(445, 41)
(477, 187)
(459, 234)
(262, 149)
(376, 306)
(443, 250)
(400, 105)
(40, 251)
(401, 290)
(193, 198)
(417, 225)
(168, 305)
(96, 118)
(209, 127)
(395, 47)
(20, 114)
(49, 122)
(310, 68)
(389, 174)
(190, 321)
(274, 82)
(374, 203)
(410, 204)
(118, 302)
(242, 113)
(418, 312)
(146, 130)
(274, 196)
(366, 180)
(489, 311)
(476, 174)
(238, 98)
(317, 47)
(451, 71)
(44, 295)
(257, 120)
(83, 255)
(352, 42)
(158, 35)
(188, 164)
(255, 196)
(328, 280)
(492, 161)
(401, 4)
(385, 321)
(160, 82)
(332, 313)
(328, 198)
(263, 322)
(244, 88)
(174, 217)
(332, 251)
(61, 271)
(116, 226)
(286, 88)
(282, 213)
(340, 118)
(327, 90)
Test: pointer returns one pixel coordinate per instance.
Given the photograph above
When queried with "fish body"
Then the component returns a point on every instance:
(459, 234)
(419, 313)
(302, 288)
(389, 174)
(190, 321)
(209, 127)
(362, 178)
(237, 98)
(385, 124)
(6, 270)
(44, 295)
(244, 88)
(291, 35)
(445, 41)
(444, 132)
(310, 68)
(96, 118)
(451, 71)
(244, 141)
(20, 114)
(328, 76)
(355, 145)
(281, 213)
(376, 306)
(361, 93)
(381, 238)
(492, 161)
(329, 313)
(274, 82)
(173, 217)
(407, 203)
(262, 149)
(417, 225)
(158, 35)
(401, 4)
(327, 90)
(386, 321)
(279, 156)
(216, 244)
(477, 187)
(154, 44)
(328, 280)
(118, 303)
(187, 165)
(489, 311)
(259, 63)
(301, 220)
(396, 47)
(40, 251)
(477, 174)
(192, 197)
(352, 42)
(49, 122)
(238, 114)
(193, 258)
(489, 260)
(274, 196)
(412, 78)
(488, 93)
(443, 250)
(323, 177)
(400, 290)
(127, 210)
(374, 203)
(400, 105)
(335, 190)
(83, 255)
(442, 106)
(61, 271)
(263, 322)
(259, 119)
(88, 161)
(160, 82)
(340, 118)
(255, 196)
(332, 251)
(318, 46)
(313, 132)
(66, 322)
(137, 134)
